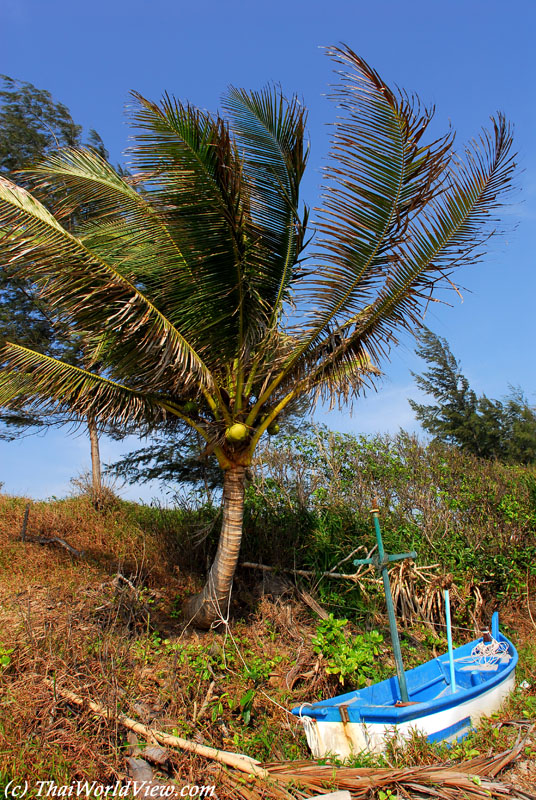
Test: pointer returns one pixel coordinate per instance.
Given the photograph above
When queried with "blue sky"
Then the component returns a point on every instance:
(469, 58)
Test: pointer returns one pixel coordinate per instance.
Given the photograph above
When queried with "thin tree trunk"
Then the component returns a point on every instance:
(213, 602)
(204, 461)
(96, 478)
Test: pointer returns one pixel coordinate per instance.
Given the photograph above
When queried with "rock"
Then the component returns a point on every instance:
(156, 754)
(139, 770)
(133, 748)
(141, 773)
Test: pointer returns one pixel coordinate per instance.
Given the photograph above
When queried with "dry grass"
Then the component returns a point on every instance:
(120, 641)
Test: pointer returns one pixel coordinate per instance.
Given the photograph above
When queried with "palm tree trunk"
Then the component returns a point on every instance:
(96, 478)
(213, 602)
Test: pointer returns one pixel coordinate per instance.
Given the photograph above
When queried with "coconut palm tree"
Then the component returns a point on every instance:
(189, 284)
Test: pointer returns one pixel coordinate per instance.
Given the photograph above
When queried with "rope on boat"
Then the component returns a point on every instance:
(310, 730)
(486, 653)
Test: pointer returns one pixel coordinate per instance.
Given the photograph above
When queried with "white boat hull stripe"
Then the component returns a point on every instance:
(350, 738)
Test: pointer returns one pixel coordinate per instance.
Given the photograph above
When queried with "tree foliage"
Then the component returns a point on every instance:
(503, 429)
(32, 124)
(177, 461)
(188, 283)
(309, 508)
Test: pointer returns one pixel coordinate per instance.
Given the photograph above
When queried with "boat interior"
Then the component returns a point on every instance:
(427, 682)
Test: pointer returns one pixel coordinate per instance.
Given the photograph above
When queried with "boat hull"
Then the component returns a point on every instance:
(438, 709)
(349, 738)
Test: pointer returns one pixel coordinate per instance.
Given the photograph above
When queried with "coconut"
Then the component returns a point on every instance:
(273, 428)
(236, 433)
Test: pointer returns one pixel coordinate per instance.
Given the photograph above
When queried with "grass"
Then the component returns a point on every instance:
(121, 641)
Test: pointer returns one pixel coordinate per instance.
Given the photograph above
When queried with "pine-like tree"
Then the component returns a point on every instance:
(33, 124)
(503, 429)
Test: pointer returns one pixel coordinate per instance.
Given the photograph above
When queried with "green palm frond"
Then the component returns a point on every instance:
(379, 177)
(450, 233)
(342, 366)
(192, 173)
(97, 198)
(344, 377)
(446, 235)
(270, 131)
(90, 180)
(49, 385)
(398, 218)
(117, 222)
(94, 295)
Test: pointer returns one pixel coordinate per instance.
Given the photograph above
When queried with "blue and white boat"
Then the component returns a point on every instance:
(446, 697)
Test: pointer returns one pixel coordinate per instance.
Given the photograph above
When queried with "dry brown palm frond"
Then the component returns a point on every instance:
(418, 596)
(470, 780)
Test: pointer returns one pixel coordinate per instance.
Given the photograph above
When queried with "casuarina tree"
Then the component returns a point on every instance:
(190, 285)
(488, 428)
(33, 123)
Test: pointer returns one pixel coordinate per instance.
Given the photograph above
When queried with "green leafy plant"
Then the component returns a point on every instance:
(350, 659)
(258, 669)
(385, 795)
(246, 704)
(5, 656)
(220, 704)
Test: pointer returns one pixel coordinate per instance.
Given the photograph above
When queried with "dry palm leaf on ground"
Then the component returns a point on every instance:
(470, 780)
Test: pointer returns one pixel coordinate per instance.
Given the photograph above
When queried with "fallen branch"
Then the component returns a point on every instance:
(46, 539)
(240, 762)
(306, 573)
(55, 540)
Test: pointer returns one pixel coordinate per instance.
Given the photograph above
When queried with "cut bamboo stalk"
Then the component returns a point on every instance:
(240, 762)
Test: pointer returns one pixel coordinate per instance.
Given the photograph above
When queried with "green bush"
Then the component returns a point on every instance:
(308, 507)
(347, 657)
